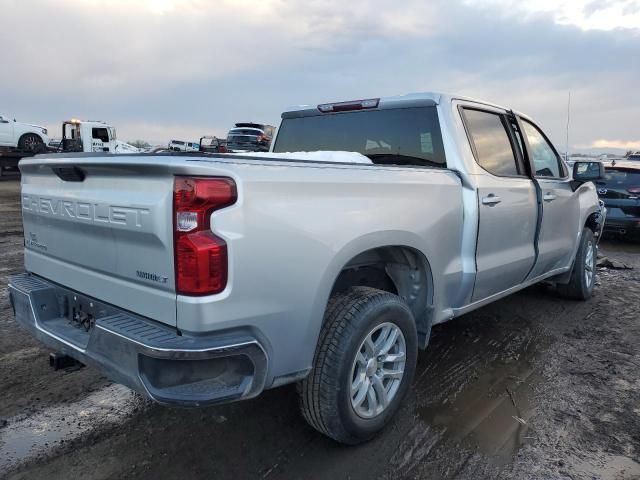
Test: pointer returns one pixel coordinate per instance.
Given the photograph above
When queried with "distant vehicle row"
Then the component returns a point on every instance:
(244, 137)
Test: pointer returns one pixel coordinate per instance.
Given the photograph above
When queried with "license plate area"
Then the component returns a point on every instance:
(68, 315)
(80, 312)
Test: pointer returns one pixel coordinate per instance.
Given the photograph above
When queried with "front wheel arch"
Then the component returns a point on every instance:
(575, 285)
(40, 145)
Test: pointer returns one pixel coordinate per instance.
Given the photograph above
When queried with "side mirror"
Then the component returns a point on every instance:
(584, 172)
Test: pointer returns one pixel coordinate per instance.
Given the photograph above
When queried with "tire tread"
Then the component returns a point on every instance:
(315, 392)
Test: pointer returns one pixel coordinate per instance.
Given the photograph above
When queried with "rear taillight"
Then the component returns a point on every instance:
(634, 190)
(200, 256)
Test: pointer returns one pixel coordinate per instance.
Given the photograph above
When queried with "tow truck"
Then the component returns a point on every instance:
(92, 136)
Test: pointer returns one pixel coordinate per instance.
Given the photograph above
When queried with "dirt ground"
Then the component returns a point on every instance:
(533, 386)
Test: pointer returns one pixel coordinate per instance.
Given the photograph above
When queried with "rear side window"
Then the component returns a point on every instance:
(545, 161)
(398, 136)
(491, 142)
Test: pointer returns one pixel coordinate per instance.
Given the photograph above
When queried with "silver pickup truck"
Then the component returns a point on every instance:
(203, 278)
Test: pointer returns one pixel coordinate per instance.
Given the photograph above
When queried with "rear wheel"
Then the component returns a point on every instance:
(363, 365)
(583, 275)
(30, 142)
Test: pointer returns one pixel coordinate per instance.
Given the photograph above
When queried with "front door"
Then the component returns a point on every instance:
(507, 203)
(559, 229)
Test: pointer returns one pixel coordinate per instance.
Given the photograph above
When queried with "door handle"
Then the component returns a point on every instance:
(549, 197)
(491, 200)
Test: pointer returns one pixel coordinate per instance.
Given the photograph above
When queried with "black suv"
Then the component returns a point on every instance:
(250, 137)
(620, 192)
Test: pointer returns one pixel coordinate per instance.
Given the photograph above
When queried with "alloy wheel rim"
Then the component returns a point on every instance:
(588, 265)
(377, 370)
(30, 143)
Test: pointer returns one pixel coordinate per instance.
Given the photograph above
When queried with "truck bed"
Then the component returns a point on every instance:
(295, 225)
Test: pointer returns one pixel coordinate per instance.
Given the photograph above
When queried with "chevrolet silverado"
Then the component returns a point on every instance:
(197, 279)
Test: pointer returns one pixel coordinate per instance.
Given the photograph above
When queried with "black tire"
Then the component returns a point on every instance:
(325, 395)
(578, 287)
(30, 142)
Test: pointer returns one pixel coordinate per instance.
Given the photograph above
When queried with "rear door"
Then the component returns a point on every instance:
(560, 227)
(103, 227)
(507, 204)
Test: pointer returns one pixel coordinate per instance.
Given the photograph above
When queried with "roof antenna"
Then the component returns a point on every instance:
(568, 120)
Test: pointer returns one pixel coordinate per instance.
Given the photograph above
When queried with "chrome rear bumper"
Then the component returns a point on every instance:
(146, 356)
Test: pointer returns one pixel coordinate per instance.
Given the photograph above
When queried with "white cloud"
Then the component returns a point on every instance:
(158, 69)
(619, 144)
(585, 14)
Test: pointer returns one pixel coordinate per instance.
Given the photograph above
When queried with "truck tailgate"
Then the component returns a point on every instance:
(103, 228)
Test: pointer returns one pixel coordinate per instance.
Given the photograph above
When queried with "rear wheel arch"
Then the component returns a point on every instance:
(398, 269)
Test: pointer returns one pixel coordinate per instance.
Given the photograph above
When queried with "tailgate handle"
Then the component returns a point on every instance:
(69, 174)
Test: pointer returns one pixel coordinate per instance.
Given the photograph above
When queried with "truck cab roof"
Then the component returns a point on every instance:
(416, 99)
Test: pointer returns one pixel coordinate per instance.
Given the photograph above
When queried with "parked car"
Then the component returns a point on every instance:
(620, 192)
(250, 137)
(22, 136)
(212, 144)
(182, 146)
(243, 273)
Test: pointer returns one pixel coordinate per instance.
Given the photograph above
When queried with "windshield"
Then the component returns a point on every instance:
(392, 136)
(620, 178)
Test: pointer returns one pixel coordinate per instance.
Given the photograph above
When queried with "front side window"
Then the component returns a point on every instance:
(491, 141)
(100, 134)
(545, 161)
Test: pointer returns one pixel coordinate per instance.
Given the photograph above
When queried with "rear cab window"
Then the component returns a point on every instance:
(245, 131)
(392, 136)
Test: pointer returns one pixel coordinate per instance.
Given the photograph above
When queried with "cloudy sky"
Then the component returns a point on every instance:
(161, 69)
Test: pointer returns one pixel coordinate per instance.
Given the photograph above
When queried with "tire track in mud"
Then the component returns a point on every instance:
(480, 388)
(24, 439)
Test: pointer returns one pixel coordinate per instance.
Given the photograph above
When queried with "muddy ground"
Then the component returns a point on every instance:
(533, 386)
